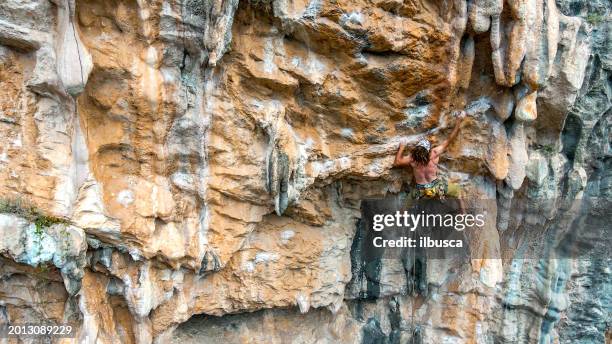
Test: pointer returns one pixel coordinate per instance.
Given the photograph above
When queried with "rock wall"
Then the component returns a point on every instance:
(192, 171)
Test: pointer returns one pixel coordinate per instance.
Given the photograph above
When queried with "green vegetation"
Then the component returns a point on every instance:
(30, 213)
(24, 209)
(43, 268)
(595, 18)
(549, 149)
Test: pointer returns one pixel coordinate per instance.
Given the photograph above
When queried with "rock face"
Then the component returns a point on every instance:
(201, 165)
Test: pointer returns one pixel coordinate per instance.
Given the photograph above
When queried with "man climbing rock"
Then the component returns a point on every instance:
(424, 163)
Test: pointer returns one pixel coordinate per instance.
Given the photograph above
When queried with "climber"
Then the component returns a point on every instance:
(424, 163)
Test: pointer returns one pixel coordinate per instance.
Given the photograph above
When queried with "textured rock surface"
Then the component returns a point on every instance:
(208, 160)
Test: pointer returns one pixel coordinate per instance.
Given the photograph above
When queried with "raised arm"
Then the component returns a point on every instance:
(438, 150)
(400, 159)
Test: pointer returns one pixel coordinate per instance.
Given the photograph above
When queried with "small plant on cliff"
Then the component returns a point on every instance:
(42, 268)
(548, 149)
(33, 215)
(42, 221)
(24, 209)
(595, 18)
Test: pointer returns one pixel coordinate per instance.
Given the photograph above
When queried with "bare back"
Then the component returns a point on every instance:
(427, 173)
(424, 174)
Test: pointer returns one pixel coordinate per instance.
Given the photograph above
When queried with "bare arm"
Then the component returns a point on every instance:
(438, 150)
(400, 159)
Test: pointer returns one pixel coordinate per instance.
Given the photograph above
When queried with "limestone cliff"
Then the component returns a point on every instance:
(192, 171)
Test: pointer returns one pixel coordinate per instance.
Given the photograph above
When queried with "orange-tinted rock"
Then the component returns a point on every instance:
(210, 158)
